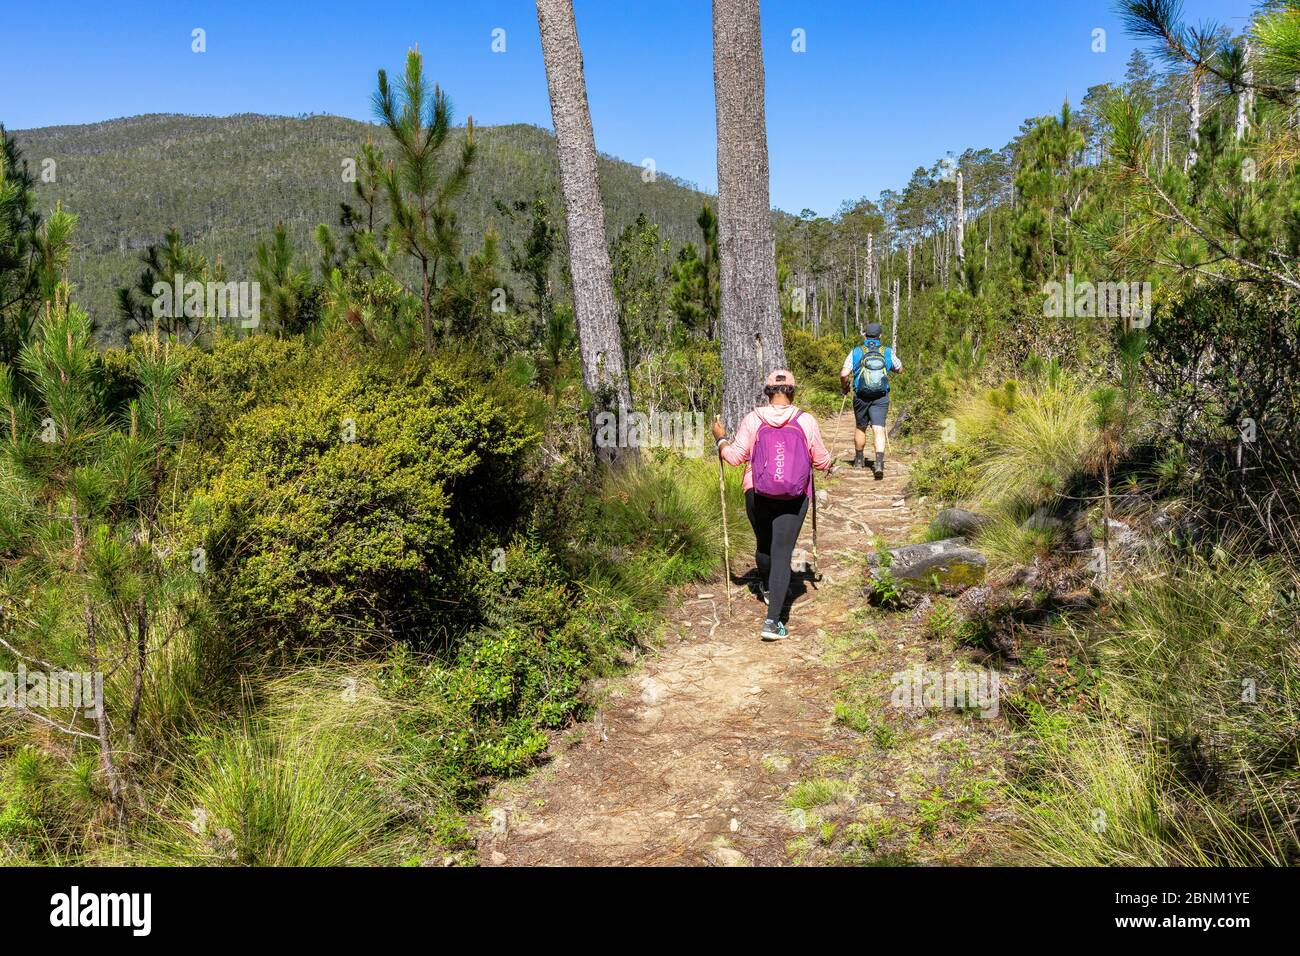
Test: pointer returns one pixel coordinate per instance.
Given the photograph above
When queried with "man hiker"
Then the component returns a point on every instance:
(781, 445)
(866, 371)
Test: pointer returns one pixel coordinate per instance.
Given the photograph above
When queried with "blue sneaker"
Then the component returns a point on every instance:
(774, 631)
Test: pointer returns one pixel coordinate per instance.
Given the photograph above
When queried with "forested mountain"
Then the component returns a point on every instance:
(224, 182)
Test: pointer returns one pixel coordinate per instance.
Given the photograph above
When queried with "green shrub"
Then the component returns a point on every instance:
(336, 513)
(234, 377)
(816, 362)
(47, 806)
(946, 472)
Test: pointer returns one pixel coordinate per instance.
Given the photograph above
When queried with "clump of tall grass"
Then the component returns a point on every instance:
(664, 520)
(1098, 797)
(1035, 448)
(1193, 756)
(1207, 656)
(1011, 448)
(319, 778)
(1010, 542)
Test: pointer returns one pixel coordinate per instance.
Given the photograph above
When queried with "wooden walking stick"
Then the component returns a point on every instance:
(816, 567)
(844, 404)
(726, 538)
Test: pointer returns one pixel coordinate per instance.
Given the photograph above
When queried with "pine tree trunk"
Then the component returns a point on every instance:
(871, 271)
(752, 344)
(857, 310)
(1194, 127)
(599, 338)
(961, 224)
(894, 340)
(909, 282)
(1246, 98)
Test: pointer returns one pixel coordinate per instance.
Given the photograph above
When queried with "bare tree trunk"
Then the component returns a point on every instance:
(961, 224)
(875, 273)
(599, 338)
(857, 311)
(894, 340)
(1246, 98)
(1194, 128)
(752, 344)
(871, 270)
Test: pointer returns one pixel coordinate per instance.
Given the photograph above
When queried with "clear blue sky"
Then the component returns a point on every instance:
(884, 86)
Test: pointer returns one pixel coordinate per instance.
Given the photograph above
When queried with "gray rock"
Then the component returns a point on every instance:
(1041, 520)
(1122, 536)
(949, 563)
(652, 692)
(958, 522)
(975, 601)
(726, 856)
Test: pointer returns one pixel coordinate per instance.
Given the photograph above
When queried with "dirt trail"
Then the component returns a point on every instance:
(691, 754)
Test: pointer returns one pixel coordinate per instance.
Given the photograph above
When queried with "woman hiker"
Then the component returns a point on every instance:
(781, 445)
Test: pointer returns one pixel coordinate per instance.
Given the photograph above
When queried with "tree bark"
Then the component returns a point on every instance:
(961, 225)
(752, 344)
(909, 282)
(894, 339)
(1246, 98)
(599, 338)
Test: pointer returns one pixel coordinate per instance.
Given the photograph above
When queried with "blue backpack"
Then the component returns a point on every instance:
(871, 364)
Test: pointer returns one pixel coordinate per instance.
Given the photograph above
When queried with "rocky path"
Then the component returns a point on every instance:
(693, 755)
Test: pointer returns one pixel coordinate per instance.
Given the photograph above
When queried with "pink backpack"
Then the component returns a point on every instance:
(781, 462)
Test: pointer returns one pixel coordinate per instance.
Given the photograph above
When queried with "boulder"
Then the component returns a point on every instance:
(949, 564)
(1122, 538)
(1041, 520)
(958, 522)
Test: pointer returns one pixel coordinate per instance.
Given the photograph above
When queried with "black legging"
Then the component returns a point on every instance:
(776, 524)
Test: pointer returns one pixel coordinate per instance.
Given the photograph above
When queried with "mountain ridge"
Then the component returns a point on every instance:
(224, 181)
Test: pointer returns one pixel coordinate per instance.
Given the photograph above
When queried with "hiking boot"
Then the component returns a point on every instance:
(859, 461)
(774, 630)
(878, 474)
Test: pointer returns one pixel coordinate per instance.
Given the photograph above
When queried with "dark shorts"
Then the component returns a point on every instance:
(870, 411)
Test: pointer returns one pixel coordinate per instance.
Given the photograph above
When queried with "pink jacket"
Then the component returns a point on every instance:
(737, 452)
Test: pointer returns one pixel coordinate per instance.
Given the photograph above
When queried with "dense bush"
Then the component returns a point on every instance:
(816, 362)
(1221, 363)
(339, 508)
(234, 377)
